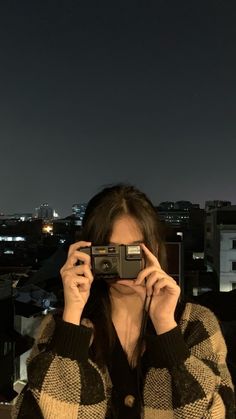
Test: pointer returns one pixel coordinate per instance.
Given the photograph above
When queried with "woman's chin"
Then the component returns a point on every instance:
(122, 288)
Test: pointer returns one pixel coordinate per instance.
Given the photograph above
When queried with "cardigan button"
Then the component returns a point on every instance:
(129, 400)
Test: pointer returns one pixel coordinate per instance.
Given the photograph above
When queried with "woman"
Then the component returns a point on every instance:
(126, 348)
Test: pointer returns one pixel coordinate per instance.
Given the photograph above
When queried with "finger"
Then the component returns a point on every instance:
(165, 283)
(151, 258)
(77, 246)
(79, 270)
(77, 256)
(154, 278)
(145, 272)
(86, 271)
(150, 282)
(70, 281)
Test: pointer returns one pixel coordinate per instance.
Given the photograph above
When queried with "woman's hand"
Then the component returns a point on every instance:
(77, 280)
(153, 281)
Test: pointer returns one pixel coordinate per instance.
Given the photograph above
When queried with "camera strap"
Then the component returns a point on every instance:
(146, 309)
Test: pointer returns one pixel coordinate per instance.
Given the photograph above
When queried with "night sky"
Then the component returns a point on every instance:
(95, 92)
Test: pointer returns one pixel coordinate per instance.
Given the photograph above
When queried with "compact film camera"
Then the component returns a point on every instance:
(115, 261)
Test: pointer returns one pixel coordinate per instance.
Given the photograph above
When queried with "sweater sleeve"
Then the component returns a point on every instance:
(189, 369)
(62, 381)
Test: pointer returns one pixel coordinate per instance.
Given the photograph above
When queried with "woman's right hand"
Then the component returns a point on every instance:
(77, 280)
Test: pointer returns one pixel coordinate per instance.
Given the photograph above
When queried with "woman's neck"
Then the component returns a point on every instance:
(127, 313)
(126, 307)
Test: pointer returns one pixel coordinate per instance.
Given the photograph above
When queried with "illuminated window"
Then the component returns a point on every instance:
(6, 239)
(12, 239)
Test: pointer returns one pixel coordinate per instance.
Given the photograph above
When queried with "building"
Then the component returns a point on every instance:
(44, 212)
(179, 214)
(18, 242)
(186, 220)
(175, 260)
(21, 216)
(216, 204)
(78, 211)
(227, 257)
(220, 245)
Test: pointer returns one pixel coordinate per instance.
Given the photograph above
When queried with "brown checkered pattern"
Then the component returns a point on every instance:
(198, 388)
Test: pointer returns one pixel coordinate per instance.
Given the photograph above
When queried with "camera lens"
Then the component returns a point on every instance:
(106, 266)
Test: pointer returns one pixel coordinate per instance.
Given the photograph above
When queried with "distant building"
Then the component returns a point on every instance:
(44, 212)
(175, 260)
(19, 241)
(65, 227)
(216, 204)
(16, 230)
(78, 211)
(185, 220)
(166, 206)
(183, 205)
(220, 245)
(227, 257)
(21, 216)
(180, 213)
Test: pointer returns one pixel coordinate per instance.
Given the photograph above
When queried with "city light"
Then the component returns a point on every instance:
(12, 239)
(48, 229)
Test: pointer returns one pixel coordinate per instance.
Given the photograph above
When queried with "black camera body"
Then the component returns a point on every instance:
(115, 261)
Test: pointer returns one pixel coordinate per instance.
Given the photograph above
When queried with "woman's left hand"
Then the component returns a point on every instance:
(154, 283)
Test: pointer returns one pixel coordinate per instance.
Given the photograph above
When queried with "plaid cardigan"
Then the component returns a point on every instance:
(188, 377)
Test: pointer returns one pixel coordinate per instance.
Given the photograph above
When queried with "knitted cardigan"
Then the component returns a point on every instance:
(189, 378)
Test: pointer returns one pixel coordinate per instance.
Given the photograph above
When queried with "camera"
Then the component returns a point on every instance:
(115, 261)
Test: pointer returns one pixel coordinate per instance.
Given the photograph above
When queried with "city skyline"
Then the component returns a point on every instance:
(94, 95)
(63, 214)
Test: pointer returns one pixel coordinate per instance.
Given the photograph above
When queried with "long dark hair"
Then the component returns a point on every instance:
(101, 213)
